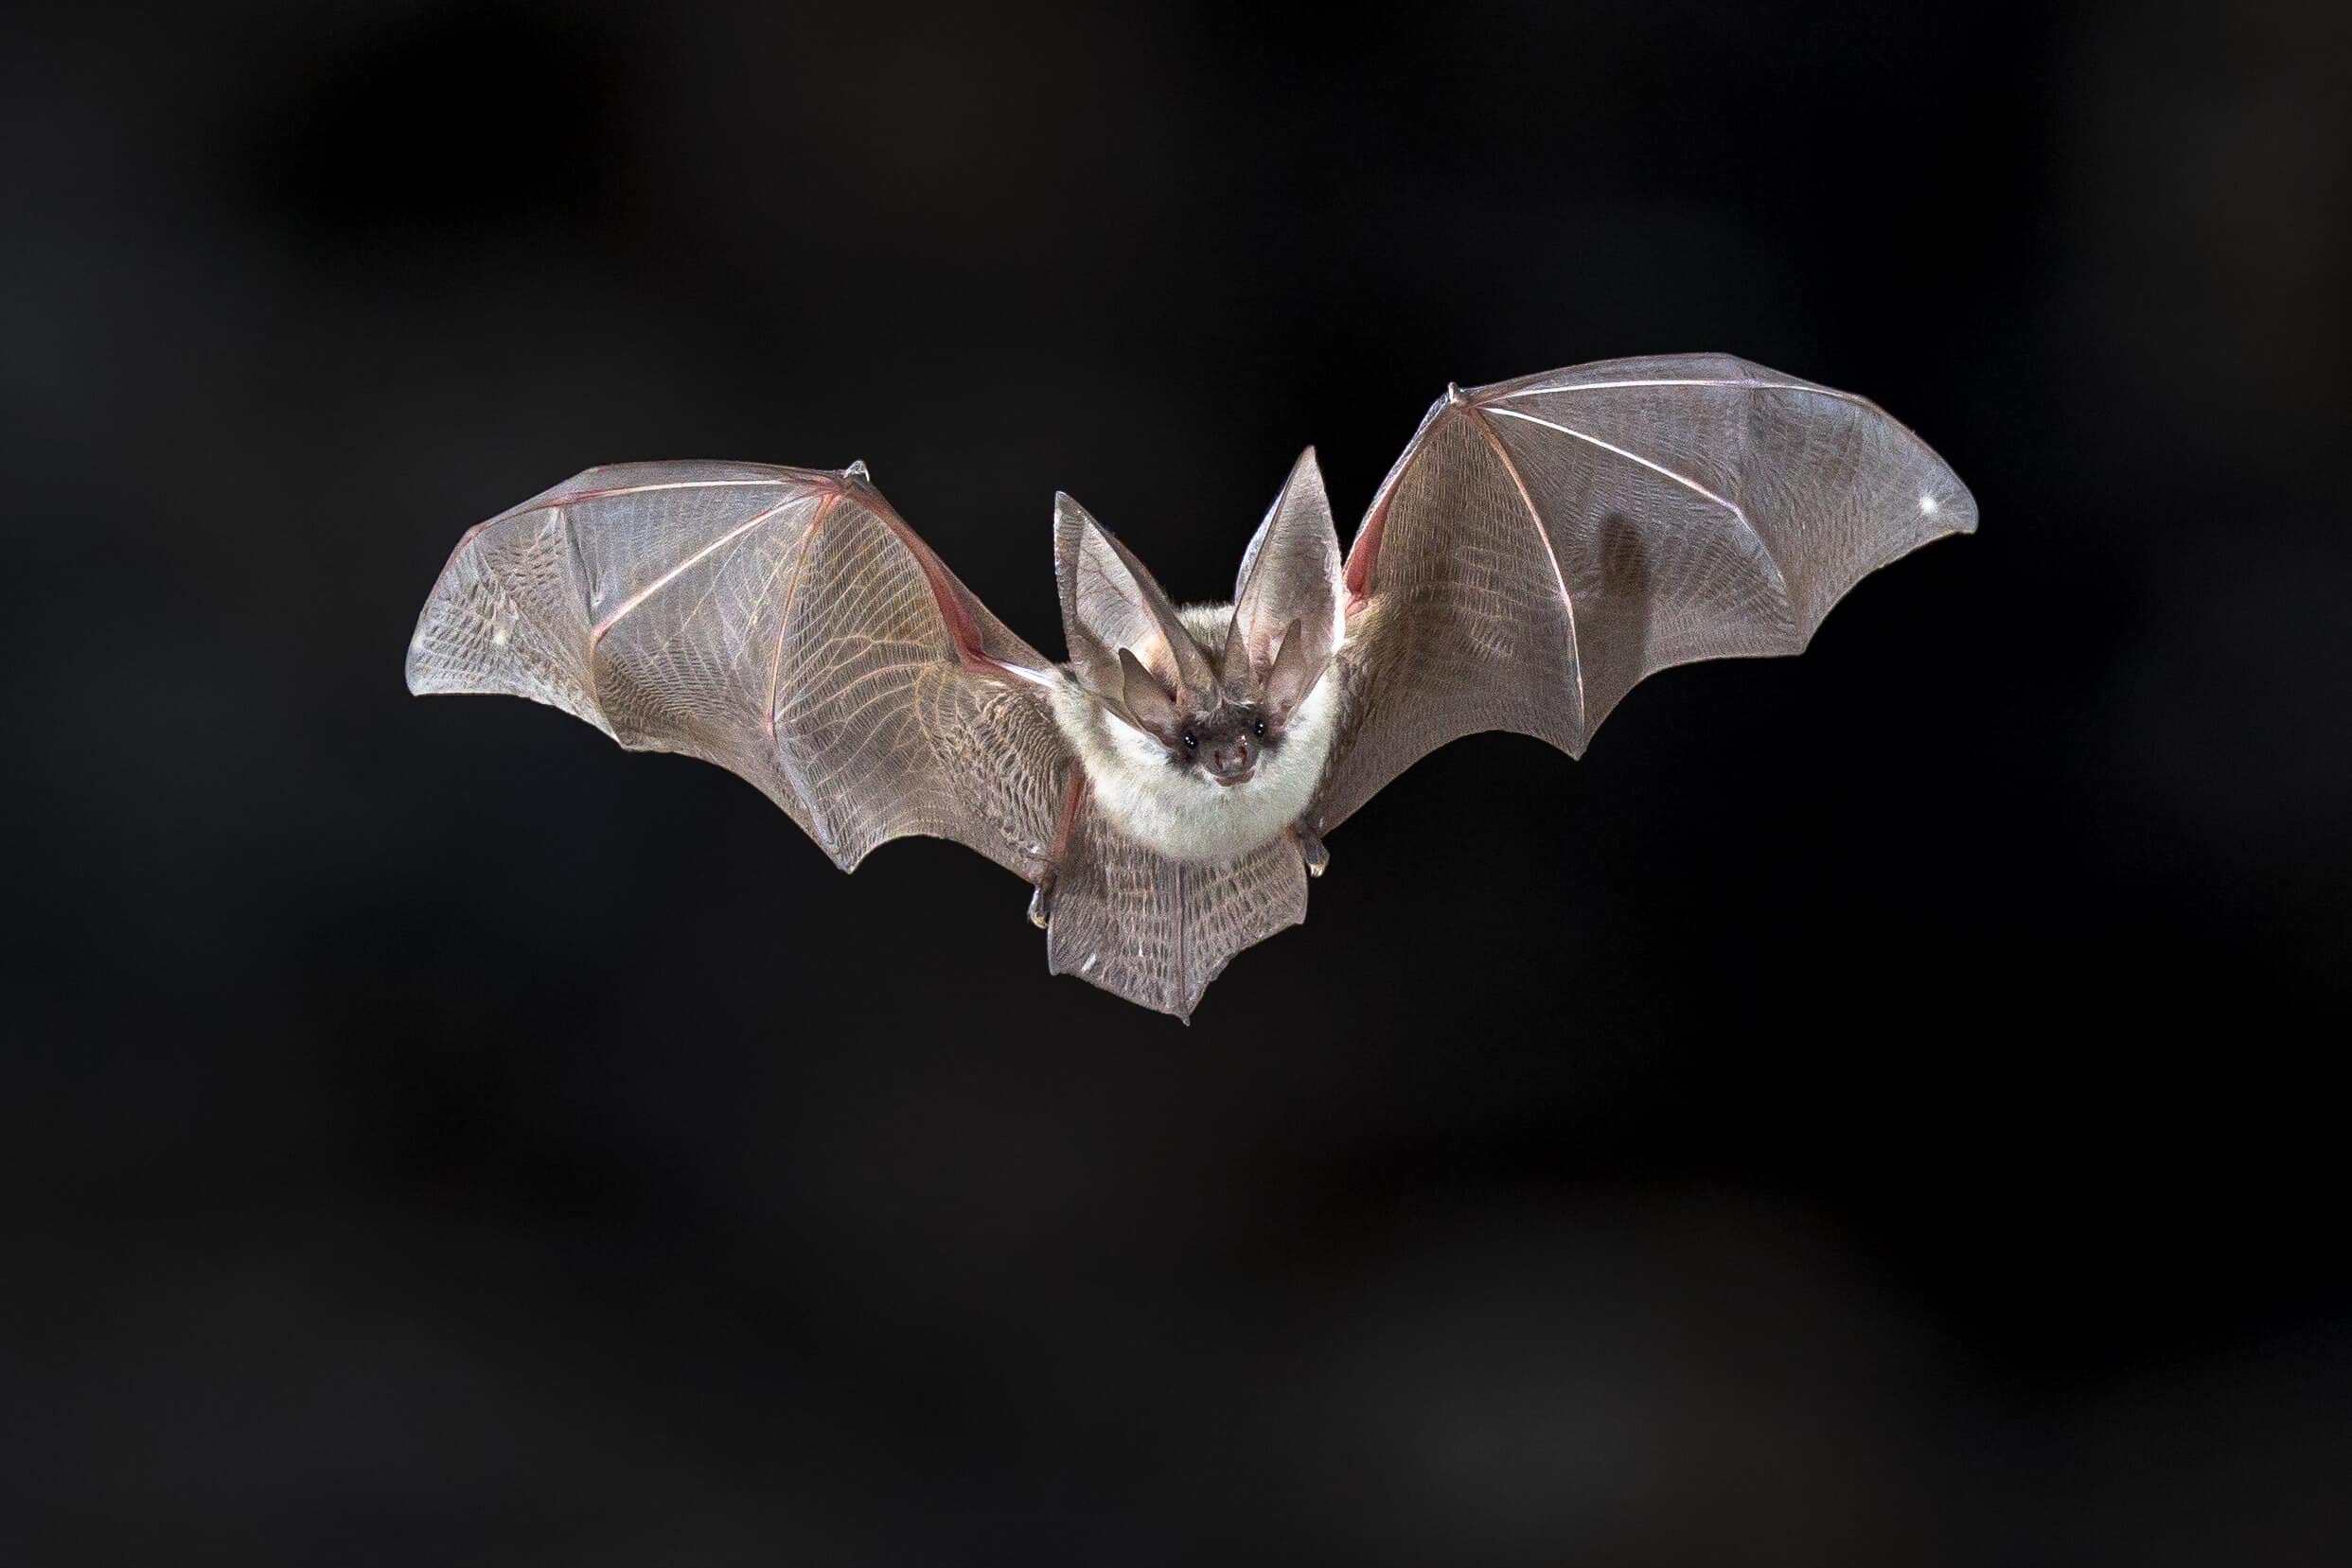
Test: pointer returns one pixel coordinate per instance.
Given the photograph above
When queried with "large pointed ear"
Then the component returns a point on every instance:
(1110, 603)
(1286, 605)
(1146, 701)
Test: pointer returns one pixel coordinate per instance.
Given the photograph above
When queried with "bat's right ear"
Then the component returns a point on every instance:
(1288, 601)
(1111, 602)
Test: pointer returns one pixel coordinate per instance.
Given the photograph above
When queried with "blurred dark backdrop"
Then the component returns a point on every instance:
(1871, 1111)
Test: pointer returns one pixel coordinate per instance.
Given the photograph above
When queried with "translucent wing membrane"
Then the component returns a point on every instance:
(1545, 543)
(1155, 930)
(780, 622)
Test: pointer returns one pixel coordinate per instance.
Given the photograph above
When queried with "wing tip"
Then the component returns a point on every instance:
(1967, 512)
(1948, 509)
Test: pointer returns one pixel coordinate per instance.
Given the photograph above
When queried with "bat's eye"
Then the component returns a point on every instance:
(1192, 741)
(1259, 728)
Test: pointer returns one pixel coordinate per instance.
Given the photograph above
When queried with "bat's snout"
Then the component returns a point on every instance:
(1234, 763)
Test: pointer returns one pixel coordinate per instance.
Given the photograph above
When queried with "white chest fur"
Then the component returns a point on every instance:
(1179, 811)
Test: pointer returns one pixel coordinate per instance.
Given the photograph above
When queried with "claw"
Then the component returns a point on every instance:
(1311, 850)
(1041, 903)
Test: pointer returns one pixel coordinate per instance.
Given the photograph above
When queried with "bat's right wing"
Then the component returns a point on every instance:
(786, 624)
(781, 623)
(1545, 543)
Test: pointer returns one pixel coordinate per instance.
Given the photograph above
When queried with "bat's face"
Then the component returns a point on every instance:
(1226, 745)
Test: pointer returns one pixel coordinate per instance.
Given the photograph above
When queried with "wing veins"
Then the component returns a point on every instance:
(1535, 516)
(784, 616)
(638, 598)
(1620, 386)
(1779, 577)
(578, 496)
(558, 502)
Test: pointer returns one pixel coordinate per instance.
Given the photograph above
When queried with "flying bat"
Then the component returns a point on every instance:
(1541, 545)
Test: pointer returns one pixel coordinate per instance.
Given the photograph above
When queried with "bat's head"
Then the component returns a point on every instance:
(1216, 686)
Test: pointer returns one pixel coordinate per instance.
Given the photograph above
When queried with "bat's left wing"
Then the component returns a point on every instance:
(1545, 543)
(781, 623)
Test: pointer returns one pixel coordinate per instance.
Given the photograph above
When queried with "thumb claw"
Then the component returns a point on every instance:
(1312, 854)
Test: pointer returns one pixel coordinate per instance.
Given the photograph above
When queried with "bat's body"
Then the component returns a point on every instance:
(1183, 811)
(1541, 546)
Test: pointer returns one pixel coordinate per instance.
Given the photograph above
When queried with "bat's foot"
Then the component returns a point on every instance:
(1312, 854)
(1041, 902)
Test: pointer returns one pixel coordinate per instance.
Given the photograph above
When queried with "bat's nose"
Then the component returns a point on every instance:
(1228, 762)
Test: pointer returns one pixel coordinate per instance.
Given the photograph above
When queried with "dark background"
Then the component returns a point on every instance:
(1874, 1110)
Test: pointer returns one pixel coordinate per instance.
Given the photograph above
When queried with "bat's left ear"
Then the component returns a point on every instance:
(1287, 604)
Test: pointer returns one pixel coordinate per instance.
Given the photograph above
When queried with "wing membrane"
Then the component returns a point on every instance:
(1155, 930)
(781, 623)
(1543, 544)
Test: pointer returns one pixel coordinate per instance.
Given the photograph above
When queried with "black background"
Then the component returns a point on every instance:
(1875, 1109)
